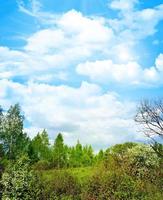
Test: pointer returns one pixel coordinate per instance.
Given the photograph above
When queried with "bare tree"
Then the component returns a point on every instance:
(150, 117)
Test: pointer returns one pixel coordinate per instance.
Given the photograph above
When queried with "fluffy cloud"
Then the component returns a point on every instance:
(73, 35)
(51, 51)
(72, 39)
(106, 71)
(85, 113)
(45, 41)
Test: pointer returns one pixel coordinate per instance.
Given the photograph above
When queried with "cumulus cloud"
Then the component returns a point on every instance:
(73, 39)
(71, 33)
(64, 44)
(132, 73)
(86, 113)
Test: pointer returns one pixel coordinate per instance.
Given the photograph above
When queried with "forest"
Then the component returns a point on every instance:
(37, 169)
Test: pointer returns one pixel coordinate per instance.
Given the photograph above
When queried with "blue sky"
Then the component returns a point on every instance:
(81, 67)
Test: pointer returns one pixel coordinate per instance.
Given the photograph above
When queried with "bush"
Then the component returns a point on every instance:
(112, 185)
(134, 174)
(19, 182)
(41, 165)
(61, 185)
(142, 162)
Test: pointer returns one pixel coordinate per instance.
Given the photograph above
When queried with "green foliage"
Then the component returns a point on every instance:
(121, 149)
(19, 182)
(59, 152)
(40, 146)
(142, 162)
(15, 142)
(114, 156)
(81, 174)
(88, 156)
(42, 165)
(124, 171)
(112, 185)
(13, 139)
(61, 184)
(81, 156)
(100, 156)
(76, 154)
(158, 148)
(128, 171)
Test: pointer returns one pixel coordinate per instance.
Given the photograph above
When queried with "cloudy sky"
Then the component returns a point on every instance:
(80, 67)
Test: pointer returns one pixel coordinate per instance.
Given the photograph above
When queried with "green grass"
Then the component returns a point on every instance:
(82, 174)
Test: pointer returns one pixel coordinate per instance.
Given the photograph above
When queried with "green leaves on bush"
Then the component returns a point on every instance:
(19, 182)
(61, 184)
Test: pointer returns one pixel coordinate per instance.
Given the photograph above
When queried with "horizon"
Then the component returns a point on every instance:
(81, 67)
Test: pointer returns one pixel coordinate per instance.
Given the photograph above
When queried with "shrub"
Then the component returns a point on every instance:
(112, 185)
(41, 165)
(19, 182)
(142, 162)
(62, 185)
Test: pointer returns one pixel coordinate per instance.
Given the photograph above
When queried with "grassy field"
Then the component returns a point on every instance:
(82, 174)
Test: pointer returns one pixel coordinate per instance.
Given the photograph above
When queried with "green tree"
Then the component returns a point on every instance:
(59, 152)
(100, 156)
(121, 149)
(41, 147)
(88, 156)
(14, 140)
(76, 155)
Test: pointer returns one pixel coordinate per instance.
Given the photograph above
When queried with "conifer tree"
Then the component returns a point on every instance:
(59, 152)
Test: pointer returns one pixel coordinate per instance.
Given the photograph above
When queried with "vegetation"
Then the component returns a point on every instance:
(19, 182)
(35, 169)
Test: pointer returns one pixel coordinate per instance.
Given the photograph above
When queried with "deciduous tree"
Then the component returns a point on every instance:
(12, 137)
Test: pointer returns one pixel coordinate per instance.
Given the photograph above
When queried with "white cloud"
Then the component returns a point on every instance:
(64, 44)
(130, 24)
(106, 71)
(45, 41)
(73, 39)
(84, 113)
(125, 5)
(71, 33)
(85, 28)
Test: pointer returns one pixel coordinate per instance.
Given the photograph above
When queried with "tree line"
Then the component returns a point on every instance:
(15, 142)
